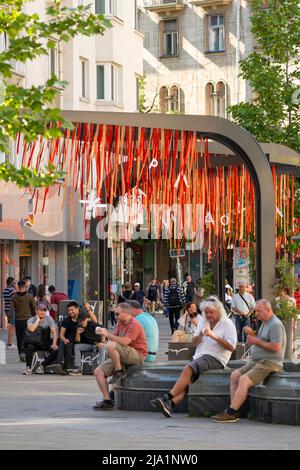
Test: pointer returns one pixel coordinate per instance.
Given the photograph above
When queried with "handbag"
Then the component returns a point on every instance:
(36, 338)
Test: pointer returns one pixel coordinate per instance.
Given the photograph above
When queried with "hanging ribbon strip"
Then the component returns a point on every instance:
(165, 171)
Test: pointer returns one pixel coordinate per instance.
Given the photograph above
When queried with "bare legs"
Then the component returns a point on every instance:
(99, 374)
(180, 388)
(239, 386)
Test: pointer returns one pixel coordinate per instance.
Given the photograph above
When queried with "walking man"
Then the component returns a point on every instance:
(174, 300)
(7, 294)
(23, 306)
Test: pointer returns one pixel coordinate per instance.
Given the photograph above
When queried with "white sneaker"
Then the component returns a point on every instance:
(27, 371)
(11, 347)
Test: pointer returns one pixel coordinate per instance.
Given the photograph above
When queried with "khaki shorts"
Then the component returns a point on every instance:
(129, 357)
(258, 371)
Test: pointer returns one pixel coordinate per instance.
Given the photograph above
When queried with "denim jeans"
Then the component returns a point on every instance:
(83, 347)
(240, 323)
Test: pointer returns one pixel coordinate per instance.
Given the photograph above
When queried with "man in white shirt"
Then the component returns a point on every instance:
(242, 306)
(215, 339)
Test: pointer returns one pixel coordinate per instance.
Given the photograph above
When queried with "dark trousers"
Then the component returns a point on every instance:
(240, 323)
(112, 318)
(30, 349)
(21, 326)
(174, 315)
(66, 354)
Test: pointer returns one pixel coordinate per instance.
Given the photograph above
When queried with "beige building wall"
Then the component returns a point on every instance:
(193, 67)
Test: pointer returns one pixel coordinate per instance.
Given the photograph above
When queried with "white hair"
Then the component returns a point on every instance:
(215, 303)
(265, 303)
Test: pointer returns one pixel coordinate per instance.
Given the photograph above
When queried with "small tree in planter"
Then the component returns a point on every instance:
(284, 307)
(288, 314)
(207, 283)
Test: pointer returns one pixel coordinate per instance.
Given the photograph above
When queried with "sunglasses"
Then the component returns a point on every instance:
(211, 299)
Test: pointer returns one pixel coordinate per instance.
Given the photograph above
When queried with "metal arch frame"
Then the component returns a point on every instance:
(243, 144)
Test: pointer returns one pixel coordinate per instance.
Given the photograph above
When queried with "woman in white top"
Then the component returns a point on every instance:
(228, 299)
(187, 324)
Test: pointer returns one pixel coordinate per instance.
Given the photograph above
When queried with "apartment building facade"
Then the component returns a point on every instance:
(192, 51)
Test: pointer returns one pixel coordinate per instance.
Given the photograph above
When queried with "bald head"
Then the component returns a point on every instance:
(263, 310)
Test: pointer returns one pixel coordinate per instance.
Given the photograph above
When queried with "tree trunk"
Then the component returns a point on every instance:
(288, 326)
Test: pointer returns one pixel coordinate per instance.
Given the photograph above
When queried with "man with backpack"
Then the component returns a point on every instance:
(174, 300)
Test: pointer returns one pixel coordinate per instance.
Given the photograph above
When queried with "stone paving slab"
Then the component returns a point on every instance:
(46, 412)
(55, 412)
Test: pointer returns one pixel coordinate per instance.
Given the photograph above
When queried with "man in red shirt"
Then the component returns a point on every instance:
(297, 297)
(56, 297)
(126, 346)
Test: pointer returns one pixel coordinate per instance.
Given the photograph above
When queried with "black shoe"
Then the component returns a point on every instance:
(163, 404)
(103, 406)
(54, 369)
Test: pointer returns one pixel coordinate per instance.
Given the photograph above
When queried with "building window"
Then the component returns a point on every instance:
(216, 99)
(174, 100)
(109, 83)
(169, 35)
(163, 99)
(53, 61)
(136, 15)
(170, 100)
(4, 42)
(84, 78)
(221, 99)
(216, 33)
(100, 82)
(106, 7)
(116, 84)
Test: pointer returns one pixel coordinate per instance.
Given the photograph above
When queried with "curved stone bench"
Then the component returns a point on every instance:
(210, 394)
(146, 382)
(277, 400)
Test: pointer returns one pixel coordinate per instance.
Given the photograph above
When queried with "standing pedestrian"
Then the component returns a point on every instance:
(153, 294)
(23, 306)
(7, 294)
(174, 300)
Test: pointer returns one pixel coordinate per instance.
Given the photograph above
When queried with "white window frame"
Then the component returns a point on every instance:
(18, 66)
(113, 83)
(174, 39)
(54, 54)
(212, 29)
(112, 8)
(84, 78)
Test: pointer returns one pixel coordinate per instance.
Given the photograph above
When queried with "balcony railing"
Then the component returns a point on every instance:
(164, 5)
(211, 3)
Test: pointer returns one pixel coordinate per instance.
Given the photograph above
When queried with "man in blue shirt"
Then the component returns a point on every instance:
(150, 327)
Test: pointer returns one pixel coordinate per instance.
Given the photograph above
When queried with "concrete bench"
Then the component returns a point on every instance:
(277, 401)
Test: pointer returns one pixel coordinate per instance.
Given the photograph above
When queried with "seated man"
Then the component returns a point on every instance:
(267, 356)
(85, 340)
(42, 325)
(126, 346)
(215, 339)
(150, 328)
(67, 336)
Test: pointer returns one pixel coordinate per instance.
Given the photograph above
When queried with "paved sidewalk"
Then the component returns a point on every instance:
(55, 412)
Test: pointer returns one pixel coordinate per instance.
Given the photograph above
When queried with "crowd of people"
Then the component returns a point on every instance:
(33, 315)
